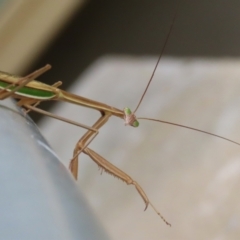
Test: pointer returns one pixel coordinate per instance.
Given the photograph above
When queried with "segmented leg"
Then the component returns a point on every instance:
(104, 164)
(113, 170)
(60, 118)
(85, 141)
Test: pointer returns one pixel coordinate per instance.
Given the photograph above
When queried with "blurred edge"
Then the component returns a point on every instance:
(38, 197)
(26, 27)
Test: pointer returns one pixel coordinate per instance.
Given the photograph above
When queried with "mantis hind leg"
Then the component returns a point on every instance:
(12, 88)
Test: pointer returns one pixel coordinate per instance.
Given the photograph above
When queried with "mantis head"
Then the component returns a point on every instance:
(130, 118)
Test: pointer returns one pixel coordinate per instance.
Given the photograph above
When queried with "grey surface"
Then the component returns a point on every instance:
(38, 197)
(192, 178)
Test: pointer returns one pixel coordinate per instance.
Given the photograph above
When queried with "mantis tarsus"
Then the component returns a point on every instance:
(31, 93)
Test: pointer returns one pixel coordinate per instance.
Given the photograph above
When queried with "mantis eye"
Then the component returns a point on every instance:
(127, 111)
(135, 123)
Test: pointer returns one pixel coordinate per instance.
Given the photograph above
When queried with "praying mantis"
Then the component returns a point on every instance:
(31, 93)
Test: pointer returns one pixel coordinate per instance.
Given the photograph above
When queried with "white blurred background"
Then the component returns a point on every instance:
(192, 178)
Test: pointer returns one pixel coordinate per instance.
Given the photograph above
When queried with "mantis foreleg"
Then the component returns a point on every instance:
(81, 146)
(85, 141)
(113, 170)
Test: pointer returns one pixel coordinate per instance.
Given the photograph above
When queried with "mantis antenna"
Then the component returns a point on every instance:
(150, 80)
(159, 58)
